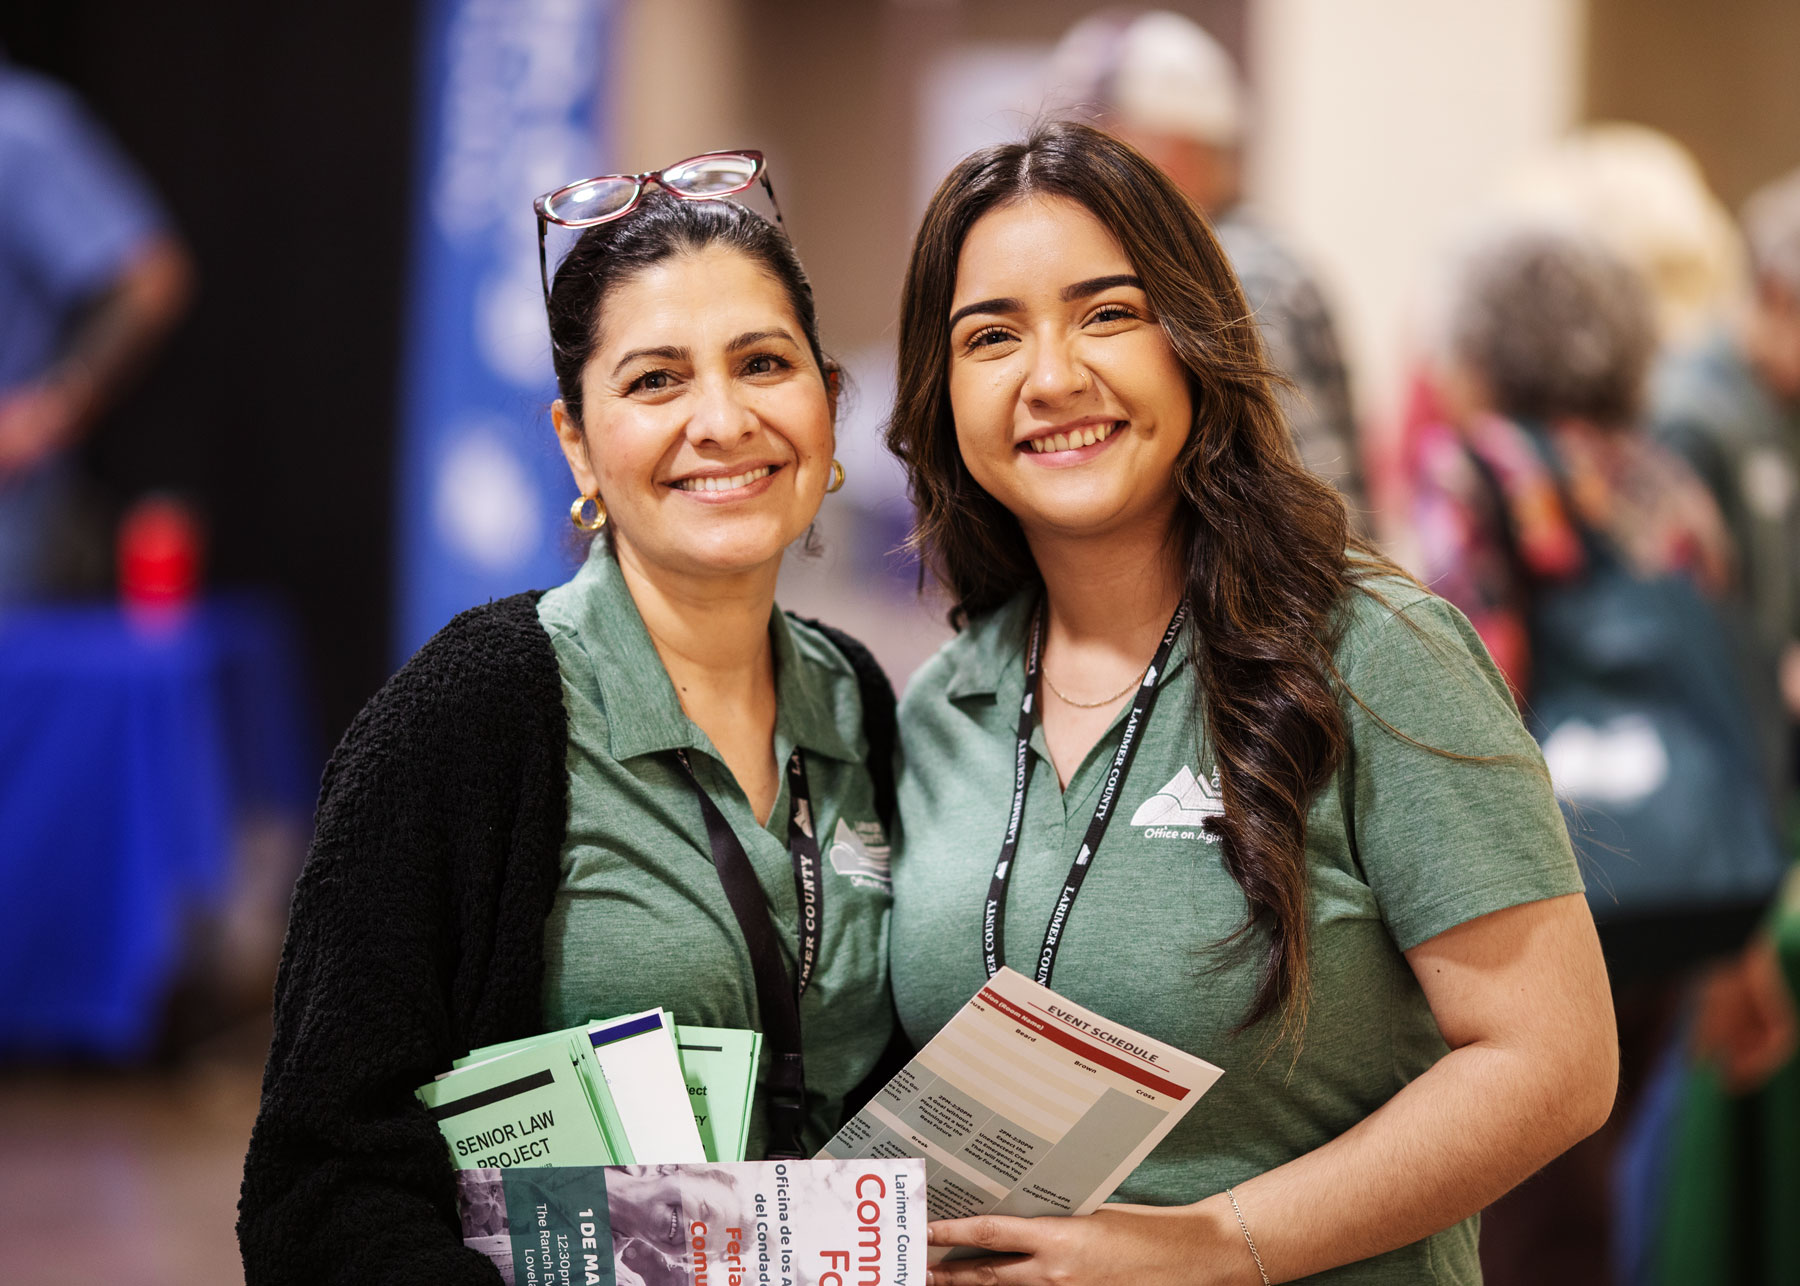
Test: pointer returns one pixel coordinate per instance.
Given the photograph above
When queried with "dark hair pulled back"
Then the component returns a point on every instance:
(609, 254)
(1261, 542)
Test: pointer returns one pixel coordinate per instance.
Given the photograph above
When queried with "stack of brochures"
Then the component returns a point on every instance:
(612, 1153)
(628, 1135)
(634, 1089)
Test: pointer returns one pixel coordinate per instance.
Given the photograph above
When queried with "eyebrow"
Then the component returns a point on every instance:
(675, 353)
(1094, 285)
(751, 338)
(667, 353)
(1079, 290)
(985, 306)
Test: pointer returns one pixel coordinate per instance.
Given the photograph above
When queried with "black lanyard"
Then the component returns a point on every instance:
(993, 948)
(777, 995)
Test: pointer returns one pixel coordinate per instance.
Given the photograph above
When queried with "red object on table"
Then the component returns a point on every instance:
(160, 552)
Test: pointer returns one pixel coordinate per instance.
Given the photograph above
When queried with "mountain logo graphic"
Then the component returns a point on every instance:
(1185, 801)
(861, 854)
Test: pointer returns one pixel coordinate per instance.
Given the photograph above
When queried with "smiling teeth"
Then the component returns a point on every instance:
(1069, 441)
(732, 483)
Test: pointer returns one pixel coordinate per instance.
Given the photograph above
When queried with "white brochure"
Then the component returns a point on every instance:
(1027, 1104)
(637, 1056)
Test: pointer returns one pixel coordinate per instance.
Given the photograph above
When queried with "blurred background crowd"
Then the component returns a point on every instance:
(274, 389)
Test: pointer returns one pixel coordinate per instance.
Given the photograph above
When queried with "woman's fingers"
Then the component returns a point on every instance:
(1008, 1270)
(1002, 1234)
(1013, 1244)
(1117, 1246)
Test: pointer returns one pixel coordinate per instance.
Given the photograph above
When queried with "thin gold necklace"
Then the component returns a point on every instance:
(1103, 701)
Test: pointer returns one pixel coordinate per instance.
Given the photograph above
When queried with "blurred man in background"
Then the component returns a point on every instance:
(91, 280)
(1731, 406)
(1168, 88)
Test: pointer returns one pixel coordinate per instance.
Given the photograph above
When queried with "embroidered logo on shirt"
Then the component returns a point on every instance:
(861, 855)
(1180, 809)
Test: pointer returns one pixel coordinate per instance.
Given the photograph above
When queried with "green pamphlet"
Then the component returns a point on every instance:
(719, 1065)
(592, 1082)
(529, 1107)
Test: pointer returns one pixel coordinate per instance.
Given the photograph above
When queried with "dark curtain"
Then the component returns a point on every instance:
(279, 138)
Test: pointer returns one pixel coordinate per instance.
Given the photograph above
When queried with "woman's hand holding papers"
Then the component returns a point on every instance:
(1521, 999)
(1122, 1244)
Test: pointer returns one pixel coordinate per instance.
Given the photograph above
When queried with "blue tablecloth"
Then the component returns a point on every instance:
(127, 753)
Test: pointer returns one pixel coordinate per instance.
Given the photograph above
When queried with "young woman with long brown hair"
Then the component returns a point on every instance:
(1270, 797)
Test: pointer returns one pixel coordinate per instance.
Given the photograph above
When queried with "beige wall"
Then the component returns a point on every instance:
(680, 84)
(1384, 123)
(1723, 76)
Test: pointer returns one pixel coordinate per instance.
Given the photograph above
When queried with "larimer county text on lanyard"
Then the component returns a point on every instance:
(993, 950)
(777, 994)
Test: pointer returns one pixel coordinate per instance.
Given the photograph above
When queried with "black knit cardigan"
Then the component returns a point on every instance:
(417, 934)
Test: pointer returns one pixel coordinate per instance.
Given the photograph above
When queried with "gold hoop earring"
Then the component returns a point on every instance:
(837, 478)
(577, 515)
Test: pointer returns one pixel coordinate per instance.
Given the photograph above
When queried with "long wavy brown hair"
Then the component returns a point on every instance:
(1263, 544)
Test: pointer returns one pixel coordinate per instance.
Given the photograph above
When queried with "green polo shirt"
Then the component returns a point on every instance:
(1402, 844)
(640, 918)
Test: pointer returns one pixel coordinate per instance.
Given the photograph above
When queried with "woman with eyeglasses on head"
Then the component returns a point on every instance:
(1276, 806)
(612, 796)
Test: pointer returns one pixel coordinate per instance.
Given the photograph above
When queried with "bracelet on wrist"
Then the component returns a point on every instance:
(1248, 1239)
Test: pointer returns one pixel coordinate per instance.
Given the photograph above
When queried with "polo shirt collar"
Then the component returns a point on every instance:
(991, 647)
(813, 704)
(643, 714)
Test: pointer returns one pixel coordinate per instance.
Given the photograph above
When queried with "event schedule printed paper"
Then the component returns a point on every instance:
(1027, 1104)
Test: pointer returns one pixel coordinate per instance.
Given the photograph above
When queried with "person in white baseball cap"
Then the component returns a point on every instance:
(1163, 84)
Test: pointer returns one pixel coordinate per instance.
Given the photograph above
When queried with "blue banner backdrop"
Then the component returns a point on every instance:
(509, 107)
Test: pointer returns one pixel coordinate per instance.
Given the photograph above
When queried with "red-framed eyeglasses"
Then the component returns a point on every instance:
(706, 177)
